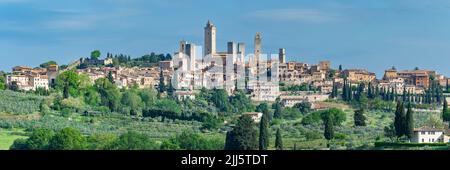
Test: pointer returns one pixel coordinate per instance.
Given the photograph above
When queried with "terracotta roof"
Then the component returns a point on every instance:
(427, 129)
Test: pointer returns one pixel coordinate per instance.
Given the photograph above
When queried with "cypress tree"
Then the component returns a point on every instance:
(377, 91)
(394, 95)
(110, 77)
(243, 136)
(278, 141)
(409, 98)
(329, 129)
(278, 111)
(161, 86)
(350, 93)
(344, 90)
(335, 90)
(359, 118)
(171, 90)
(447, 88)
(399, 119)
(332, 96)
(445, 112)
(404, 94)
(263, 132)
(409, 128)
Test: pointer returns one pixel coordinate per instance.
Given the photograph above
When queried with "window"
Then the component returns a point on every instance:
(423, 140)
(422, 133)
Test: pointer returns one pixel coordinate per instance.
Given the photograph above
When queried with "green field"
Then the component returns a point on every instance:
(7, 137)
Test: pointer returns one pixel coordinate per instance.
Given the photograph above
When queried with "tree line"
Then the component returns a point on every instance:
(72, 139)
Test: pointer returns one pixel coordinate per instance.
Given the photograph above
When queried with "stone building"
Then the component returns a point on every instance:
(359, 75)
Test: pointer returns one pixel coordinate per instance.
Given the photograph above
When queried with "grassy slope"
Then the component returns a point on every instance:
(7, 138)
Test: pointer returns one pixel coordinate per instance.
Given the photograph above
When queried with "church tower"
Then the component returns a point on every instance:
(210, 39)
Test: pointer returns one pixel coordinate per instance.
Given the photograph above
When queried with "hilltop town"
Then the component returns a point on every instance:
(218, 87)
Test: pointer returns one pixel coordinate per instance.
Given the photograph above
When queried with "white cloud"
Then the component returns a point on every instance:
(296, 15)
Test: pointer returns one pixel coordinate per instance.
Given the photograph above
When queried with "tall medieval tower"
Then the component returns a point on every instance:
(210, 39)
(258, 45)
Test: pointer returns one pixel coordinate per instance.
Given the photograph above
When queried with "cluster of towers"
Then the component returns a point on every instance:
(229, 68)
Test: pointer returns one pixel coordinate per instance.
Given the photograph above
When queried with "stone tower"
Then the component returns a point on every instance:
(282, 55)
(210, 39)
(258, 45)
(182, 47)
(241, 52)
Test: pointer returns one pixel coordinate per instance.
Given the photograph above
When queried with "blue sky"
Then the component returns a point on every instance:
(372, 34)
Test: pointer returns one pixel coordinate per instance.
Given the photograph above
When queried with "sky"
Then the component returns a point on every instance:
(369, 34)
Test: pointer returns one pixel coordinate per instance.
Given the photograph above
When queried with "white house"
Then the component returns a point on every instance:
(256, 116)
(291, 100)
(183, 95)
(429, 135)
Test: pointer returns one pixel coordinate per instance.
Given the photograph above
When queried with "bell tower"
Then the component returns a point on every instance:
(210, 39)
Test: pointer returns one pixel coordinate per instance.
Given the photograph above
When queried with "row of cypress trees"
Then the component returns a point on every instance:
(404, 122)
(434, 94)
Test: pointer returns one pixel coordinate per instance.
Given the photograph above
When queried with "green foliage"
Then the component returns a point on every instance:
(146, 60)
(359, 118)
(401, 144)
(47, 64)
(161, 85)
(278, 140)
(338, 116)
(264, 132)
(445, 111)
(277, 114)
(110, 95)
(409, 122)
(328, 119)
(241, 103)
(220, 99)
(400, 120)
(389, 131)
(303, 107)
(14, 86)
(19, 103)
(211, 122)
(95, 55)
(68, 139)
(19, 144)
(302, 87)
(148, 96)
(92, 97)
(68, 82)
(101, 141)
(134, 141)
(312, 118)
(131, 100)
(193, 141)
(168, 105)
(113, 123)
(263, 108)
(290, 113)
(243, 136)
(39, 139)
(2, 82)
